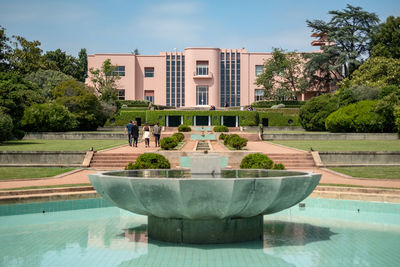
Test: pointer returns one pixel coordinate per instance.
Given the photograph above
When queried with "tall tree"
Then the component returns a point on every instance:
(349, 30)
(27, 56)
(283, 75)
(47, 80)
(386, 40)
(82, 65)
(104, 81)
(5, 50)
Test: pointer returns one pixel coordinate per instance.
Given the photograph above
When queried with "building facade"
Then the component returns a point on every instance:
(199, 76)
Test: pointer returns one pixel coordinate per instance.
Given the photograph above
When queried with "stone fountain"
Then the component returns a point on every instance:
(205, 205)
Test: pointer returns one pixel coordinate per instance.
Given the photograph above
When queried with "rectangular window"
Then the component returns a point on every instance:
(201, 95)
(201, 68)
(258, 94)
(259, 69)
(121, 94)
(149, 72)
(118, 71)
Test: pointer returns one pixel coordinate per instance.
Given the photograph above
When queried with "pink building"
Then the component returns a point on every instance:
(199, 76)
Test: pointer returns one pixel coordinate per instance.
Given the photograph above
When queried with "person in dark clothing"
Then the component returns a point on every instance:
(135, 133)
(157, 133)
(128, 130)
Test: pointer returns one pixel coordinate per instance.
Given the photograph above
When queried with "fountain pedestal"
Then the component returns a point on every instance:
(211, 231)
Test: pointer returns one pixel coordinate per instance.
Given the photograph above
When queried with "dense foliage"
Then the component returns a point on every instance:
(235, 141)
(221, 128)
(47, 80)
(168, 143)
(386, 40)
(314, 113)
(184, 128)
(6, 127)
(149, 161)
(179, 136)
(268, 104)
(256, 161)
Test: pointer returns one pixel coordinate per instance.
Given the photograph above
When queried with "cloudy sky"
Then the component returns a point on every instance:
(120, 26)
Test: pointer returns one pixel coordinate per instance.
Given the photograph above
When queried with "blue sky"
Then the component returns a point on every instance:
(152, 26)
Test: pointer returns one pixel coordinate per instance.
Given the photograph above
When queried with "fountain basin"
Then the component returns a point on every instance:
(234, 200)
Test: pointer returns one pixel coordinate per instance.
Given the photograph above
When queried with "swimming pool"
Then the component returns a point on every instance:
(320, 232)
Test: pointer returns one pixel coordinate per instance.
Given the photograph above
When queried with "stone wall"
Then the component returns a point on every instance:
(75, 136)
(331, 136)
(42, 158)
(356, 158)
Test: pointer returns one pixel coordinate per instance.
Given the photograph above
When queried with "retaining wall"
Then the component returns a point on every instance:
(42, 158)
(360, 158)
(331, 136)
(75, 136)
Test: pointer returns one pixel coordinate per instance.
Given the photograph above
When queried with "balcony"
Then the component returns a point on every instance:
(197, 76)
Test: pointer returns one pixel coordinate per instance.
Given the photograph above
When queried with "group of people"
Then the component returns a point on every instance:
(132, 130)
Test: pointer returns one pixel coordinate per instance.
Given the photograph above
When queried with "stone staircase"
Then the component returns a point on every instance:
(112, 160)
(202, 146)
(294, 160)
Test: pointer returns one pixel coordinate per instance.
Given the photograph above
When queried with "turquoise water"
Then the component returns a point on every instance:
(205, 128)
(201, 137)
(323, 233)
(186, 161)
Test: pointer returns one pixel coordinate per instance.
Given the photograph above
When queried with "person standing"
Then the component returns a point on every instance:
(146, 135)
(128, 128)
(135, 133)
(157, 133)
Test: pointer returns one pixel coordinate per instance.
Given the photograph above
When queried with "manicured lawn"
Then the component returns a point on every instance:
(45, 187)
(370, 172)
(343, 145)
(10, 173)
(60, 145)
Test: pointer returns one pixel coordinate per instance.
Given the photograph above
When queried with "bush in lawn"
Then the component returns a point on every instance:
(149, 161)
(278, 166)
(179, 136)
(184, 128)
(221, 128)
(222, 136)
(168, 143)
(48, 117)
(314, 113)
(256, 161)
(237, 142)
(6, 127)
(359, 117)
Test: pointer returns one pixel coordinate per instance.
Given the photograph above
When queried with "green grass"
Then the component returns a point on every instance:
(45, 186)
(11, 173)
(387, 172)
(60, 145)
(343, 145)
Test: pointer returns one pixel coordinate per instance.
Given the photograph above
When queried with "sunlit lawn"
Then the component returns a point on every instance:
(388, 172)
(342, 145)
(59, 145)
(10, 173)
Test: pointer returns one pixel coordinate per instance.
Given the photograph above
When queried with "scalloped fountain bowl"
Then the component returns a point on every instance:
(185, 207)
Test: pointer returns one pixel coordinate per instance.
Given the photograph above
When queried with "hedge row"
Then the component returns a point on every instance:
(246, 118)
(268, 104)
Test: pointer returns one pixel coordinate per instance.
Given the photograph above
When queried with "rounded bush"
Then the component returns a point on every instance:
(168, 143)
(278, 166)
(222, 136)
(179, 136)
(221, 128)
(228, 136)
(314, 113)
(237, 142)
(6, 127)
(359, 117)
(149, 161)
(256, 161)
(184, 128)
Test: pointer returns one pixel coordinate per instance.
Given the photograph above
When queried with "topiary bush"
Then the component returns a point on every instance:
(184, 128)
(168, 143)
(179, 136)
(359, 117)
(278, 166)
(221, 128)
(237, 142)
(256, 161)
(222, 136)
(314, 113)
(149, 161)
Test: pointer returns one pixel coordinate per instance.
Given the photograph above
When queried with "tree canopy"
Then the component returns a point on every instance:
(386, 41)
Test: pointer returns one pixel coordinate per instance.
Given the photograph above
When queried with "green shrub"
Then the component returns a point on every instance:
(314, 113)
(221, 128)
(48, 117)
(179, 136)
(184, 128)
(280, 119)
(387, 90)
(222, 136)
(6, 127)
(278, 166)
(135, 103)
(168, 143)
(397, 117)
(226, 137)
(268, 104)
(256, 161)
(149, 161)
(237, 142)
(359, 117)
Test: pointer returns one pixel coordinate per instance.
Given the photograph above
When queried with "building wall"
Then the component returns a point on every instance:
(178, 87)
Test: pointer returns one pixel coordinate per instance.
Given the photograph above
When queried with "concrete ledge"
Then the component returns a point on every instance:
(48, 197)
(359, 158)
(331, 136)
(42, 158)
(75, 136)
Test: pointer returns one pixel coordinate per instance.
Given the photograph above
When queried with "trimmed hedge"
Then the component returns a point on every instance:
(184, 128)
(126, 115)
(235, 141)
(256, 161)
(179, 136)
(149, 161)
(268, 104)
(135, 103)
(279, 119)
(221, 128)
(168, 143)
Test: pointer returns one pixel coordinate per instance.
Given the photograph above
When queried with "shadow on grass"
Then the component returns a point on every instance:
(20, 143)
